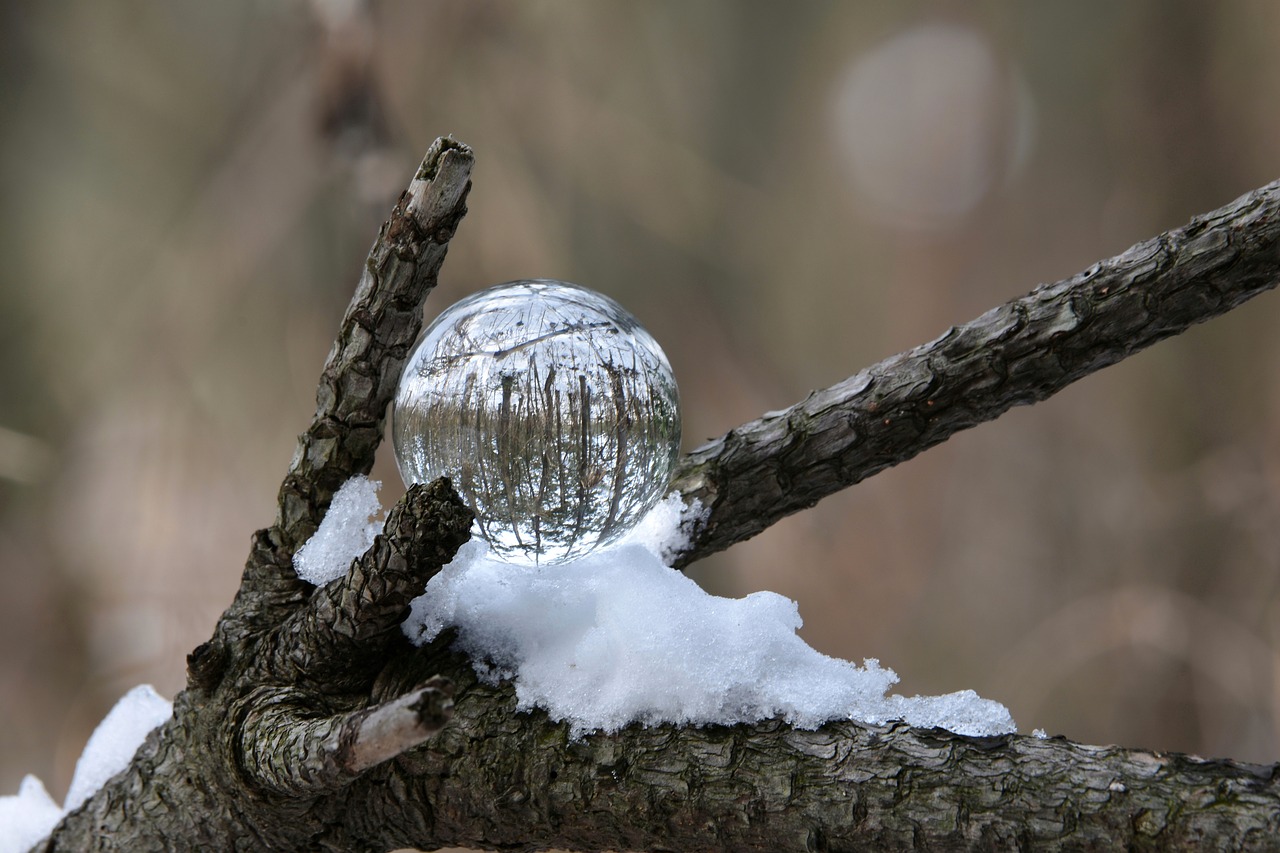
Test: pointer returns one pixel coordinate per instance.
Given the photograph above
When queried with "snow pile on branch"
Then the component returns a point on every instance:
(115, 740)
(348, 529)
(617, 637)
(27, 817)
(32, 814)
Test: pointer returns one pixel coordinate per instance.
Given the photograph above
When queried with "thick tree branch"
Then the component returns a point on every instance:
(308, 724)
(1019, 353)
(277, 710)
(496, 778)
(275, 723)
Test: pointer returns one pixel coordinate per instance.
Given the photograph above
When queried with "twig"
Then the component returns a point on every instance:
(288, 750)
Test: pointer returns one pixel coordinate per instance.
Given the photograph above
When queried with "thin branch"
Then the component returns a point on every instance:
(348, 622)
(357, 383)
(1017, 354)
(287, 749)
(393, 728)
(380, 325)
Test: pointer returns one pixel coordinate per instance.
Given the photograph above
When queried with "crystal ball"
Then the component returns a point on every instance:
(553, 411)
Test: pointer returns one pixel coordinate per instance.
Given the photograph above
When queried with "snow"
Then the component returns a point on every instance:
(31, 814)
(346, 532)
(115, 740)
(617, 637)
(27, 817)
(658, 532)
(611, 639)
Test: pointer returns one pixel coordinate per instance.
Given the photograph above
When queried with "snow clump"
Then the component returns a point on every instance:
(27, 817)
(347, 530)
(617, 637)
(31, 814)
(115, 740)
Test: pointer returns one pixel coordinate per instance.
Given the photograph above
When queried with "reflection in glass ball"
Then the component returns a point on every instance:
(554, 413)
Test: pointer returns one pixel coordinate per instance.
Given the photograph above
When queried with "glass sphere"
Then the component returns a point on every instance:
(553, 411)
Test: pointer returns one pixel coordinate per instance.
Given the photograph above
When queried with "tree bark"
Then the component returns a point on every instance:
(500, 779)
(310, 723)
(1020, 353)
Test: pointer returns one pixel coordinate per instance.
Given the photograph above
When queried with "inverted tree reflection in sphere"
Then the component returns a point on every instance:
(553, 411)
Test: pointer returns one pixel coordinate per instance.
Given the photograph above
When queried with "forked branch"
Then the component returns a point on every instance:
(310, 724)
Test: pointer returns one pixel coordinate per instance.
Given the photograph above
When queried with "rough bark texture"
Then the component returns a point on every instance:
(1017, 354)
(309, 723)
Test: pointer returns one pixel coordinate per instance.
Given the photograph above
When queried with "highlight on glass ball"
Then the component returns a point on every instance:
(553, 411)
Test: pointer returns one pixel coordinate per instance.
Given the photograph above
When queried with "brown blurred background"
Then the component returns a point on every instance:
(783, 193)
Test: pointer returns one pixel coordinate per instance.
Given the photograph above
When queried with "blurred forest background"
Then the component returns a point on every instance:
(783, 193)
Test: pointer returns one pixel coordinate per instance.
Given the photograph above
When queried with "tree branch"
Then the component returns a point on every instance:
(277, 713)
(309, 724)
(287, 750)
(356, 385)
(496, 778)
(349, 622)
(1020, 353)
(379, 327)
